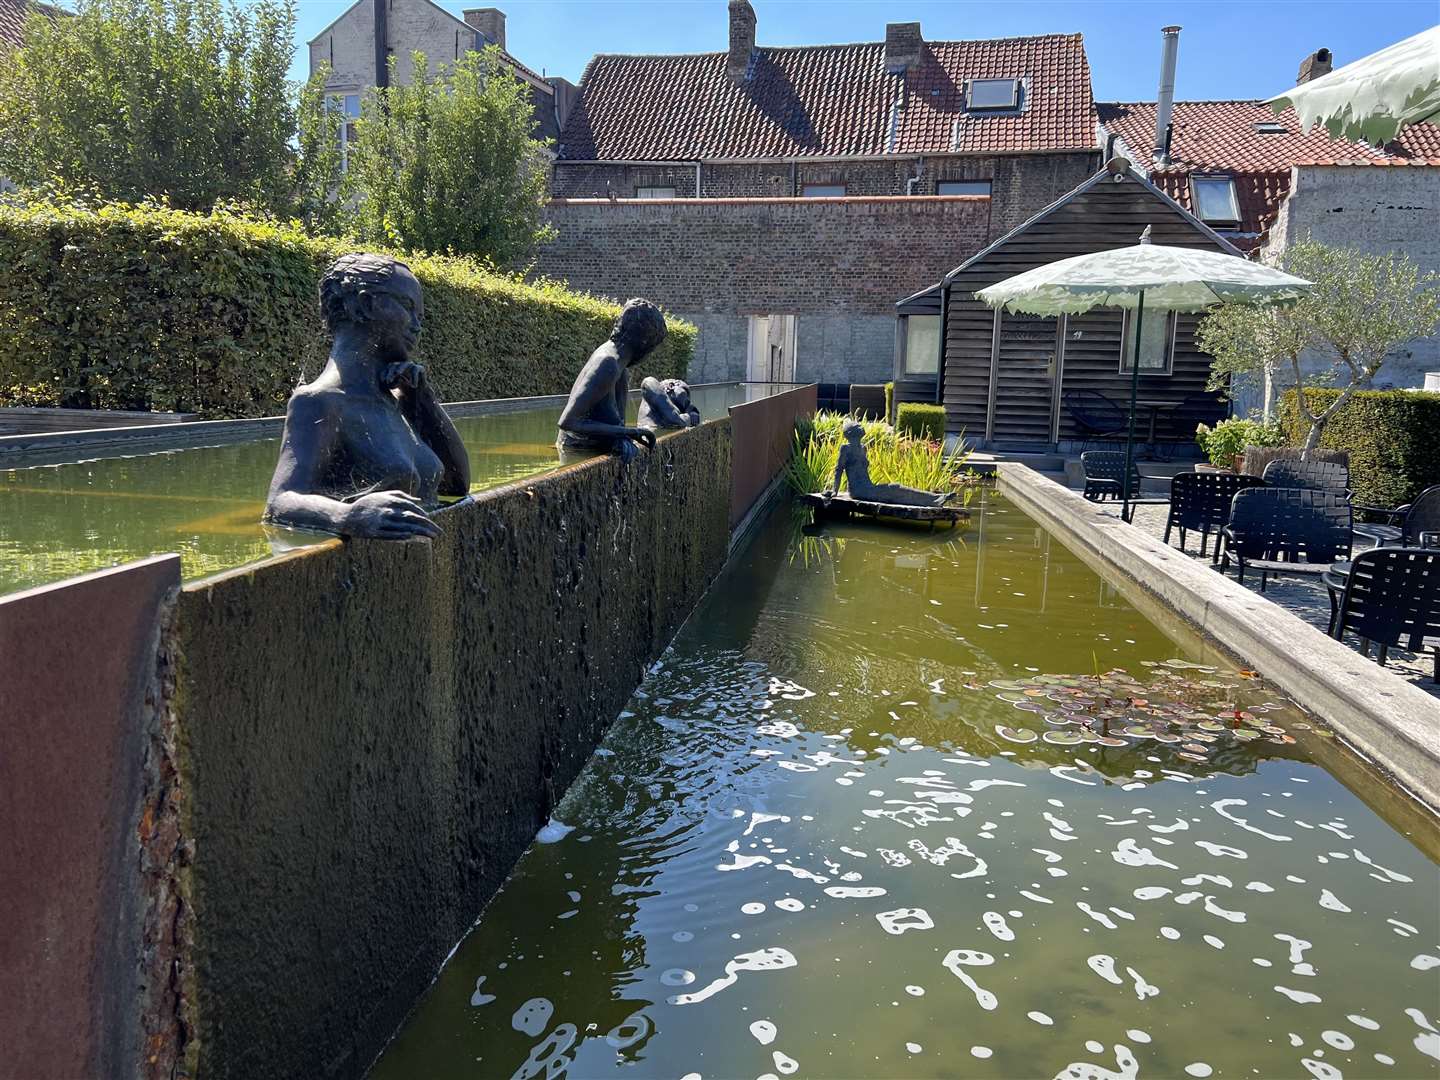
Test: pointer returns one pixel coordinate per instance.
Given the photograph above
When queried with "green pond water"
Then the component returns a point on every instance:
(864, 819)
(57, 521)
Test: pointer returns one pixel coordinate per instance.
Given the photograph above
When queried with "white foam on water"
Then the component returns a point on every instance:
(1136, 1035)
(1104, 966)
(1428, 1043)
(1300, 997)
(1099, 916)
(981, 785)
(790, 903)
(1063, 772)
(1321, 1070)
(853, 853)
(857, 892)
(479, 997)
(771, 959)
(1150, 892)
(1329, 900)
(801, 873)
(1384, 874)
(1297, 954)
(753, 907)
(1424, 962)
(1258, 886)
(915, 991)
(1198, 1068)
(797, 766)
(1260, 961)
(957, 960)
(1220, 807)
(548, 1056)
(1215, 879)
(533, 1017)
(784, 1064)
(552, 832)
(682, 936)
(1094, 1046)
(1128, 853)
(1143, 989)
(1222, 850)
(1384, 1059)
(1180, 826)
(764, 1032)
(1404, 929)
(758, 818)
(1122, 913)
(677, 977)
(1126, 1068)
(1225, 913)
(1055, 871)
(903, 919)
(996, 924)
(1040, 1018)
(1036, 896)
(893, 858)
(1214, 942)
(981, 1052)
(631, 1030)
(1169, 933)
(1419, 1018)
(1059, 828)
(1338, 1039)
(1363, 1022)
(743, 862)
(1050, 856)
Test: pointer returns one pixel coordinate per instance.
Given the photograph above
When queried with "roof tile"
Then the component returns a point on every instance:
(13, 14)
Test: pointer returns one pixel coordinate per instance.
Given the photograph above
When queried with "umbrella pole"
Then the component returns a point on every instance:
(1134, 393)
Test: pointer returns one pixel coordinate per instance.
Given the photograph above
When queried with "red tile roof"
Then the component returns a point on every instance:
(821, 100)
(1221, 136)
(13, 14)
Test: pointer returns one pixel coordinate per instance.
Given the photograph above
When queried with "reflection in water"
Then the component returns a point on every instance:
(205, 503)
(829, 837)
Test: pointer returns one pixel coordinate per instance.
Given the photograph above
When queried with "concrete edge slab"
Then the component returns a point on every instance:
(1383, 717)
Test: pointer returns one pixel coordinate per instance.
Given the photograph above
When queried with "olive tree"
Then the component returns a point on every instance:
(1339, 334)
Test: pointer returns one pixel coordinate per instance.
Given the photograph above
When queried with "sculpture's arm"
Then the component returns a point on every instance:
(592, 387)
(307, 446)
(692, 418)
(661, 405)
(424, 413)
(834, 487)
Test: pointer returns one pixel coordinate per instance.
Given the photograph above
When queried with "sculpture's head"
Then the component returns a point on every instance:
(678, 391)
(377, 293)
(853, 430)
(640, 325)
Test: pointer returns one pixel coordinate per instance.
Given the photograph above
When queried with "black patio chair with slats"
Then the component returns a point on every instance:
(1200, 502)
(1096, 416)
(1104, 473)
(1404, 524)
(1286, 531)
(1391, 599)
(1316, 475)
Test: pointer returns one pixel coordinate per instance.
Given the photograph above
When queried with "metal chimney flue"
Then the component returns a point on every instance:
(1165, 100)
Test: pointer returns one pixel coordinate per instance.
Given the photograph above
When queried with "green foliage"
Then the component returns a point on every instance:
(1361, 308)
(146, 307)
(829, 427)
(1229, 438)
(894, 459)
(921, 421)
(1393, 437)
(447, 163)
(889, 402)
(134, 99)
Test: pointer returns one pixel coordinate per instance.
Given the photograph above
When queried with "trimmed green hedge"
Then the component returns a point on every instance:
(920, 420)
(1393, 437)
(889, 402)
(145, 307)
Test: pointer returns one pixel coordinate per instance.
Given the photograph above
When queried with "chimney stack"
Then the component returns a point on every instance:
(490, 22)
(903, 44)
(1313, 66)
(1165, 100)
(742, 39)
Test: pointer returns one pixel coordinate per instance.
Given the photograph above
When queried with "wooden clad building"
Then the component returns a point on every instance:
(1008, 379)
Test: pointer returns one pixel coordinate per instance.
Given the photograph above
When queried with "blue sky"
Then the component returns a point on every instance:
(1229, 48)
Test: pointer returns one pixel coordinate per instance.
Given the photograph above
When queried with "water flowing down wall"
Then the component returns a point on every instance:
(372, 733)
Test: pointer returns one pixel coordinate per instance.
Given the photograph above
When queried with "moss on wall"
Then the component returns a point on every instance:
(372, 733)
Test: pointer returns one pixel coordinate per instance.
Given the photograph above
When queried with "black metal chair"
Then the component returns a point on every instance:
(1392, 599)
(1286, 531)
(1200, 502)
(1104, 472)
(1181, 421)
(1404, 524)
(1095, 415)
(1316, 475)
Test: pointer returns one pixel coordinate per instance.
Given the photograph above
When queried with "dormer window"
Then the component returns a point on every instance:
(1270, 127)
(983, 94)
(1214, 201)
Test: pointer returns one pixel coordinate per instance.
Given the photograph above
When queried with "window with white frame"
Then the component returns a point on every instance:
(993, 94)
(655, 193)
(1213, 198)
(922, 344)
(823, 191)
(348, 106)
(1157, 343)
(963, 187)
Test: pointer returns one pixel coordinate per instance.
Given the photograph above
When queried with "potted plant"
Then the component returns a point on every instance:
(1224, 444)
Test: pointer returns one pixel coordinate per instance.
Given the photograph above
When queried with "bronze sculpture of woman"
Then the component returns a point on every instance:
(368, 449)
(854, 464)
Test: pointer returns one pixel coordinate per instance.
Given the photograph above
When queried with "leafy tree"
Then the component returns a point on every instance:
(447, 163)
(132, 99)
(1338, 335)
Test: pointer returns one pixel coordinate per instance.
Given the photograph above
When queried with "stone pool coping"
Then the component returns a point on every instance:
(1387, 720)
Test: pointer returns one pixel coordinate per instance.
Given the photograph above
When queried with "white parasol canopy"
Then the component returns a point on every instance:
(1171, 279)
(1373, 98)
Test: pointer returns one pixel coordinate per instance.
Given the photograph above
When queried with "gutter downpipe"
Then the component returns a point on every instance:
(382, 43)
(1165, 99)
(944, 324)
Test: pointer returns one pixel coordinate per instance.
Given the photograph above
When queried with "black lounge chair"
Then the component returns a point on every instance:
(1286, 531)
(1200, 502)
(1404, 524)
(1391, 598)
(1095, 415)
(1104, 471)
(1316, 475)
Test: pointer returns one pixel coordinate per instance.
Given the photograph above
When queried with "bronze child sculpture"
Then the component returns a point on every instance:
(368, 449)
(594, 417)
(854, 464)
(666, 404)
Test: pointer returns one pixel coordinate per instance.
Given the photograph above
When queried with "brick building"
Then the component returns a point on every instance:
(779, 197)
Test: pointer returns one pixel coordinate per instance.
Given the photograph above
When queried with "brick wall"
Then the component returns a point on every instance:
(839, 265)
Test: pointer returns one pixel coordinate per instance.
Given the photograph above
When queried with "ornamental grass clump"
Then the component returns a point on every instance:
(894, 459)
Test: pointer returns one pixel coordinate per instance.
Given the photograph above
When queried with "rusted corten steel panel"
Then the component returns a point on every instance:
(763, 431)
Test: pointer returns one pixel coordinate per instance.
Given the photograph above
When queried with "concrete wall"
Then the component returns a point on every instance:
(839, 265)
(1372, 209)
(372, 733)
(88, 832)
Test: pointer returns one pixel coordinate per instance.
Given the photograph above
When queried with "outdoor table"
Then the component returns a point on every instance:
(1156, 406)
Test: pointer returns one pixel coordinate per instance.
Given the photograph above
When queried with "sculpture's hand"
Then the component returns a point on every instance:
(407, 375)
(388, 515)
(827, 494)
(640, 435)
(626, 449)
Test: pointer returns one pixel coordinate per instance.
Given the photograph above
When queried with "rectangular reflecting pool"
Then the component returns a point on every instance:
(912, 804)
(205, 502)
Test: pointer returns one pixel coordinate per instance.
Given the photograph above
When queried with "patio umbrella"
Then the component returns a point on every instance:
(1373, 98)
(1145, 275)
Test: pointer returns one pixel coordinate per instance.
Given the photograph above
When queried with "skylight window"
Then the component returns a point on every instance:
(1213, 198)
(993, 94)
(1271, 127)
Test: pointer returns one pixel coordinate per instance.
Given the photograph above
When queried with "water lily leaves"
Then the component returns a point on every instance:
(1110, 740)
(1062, 738)
(1015, 735)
